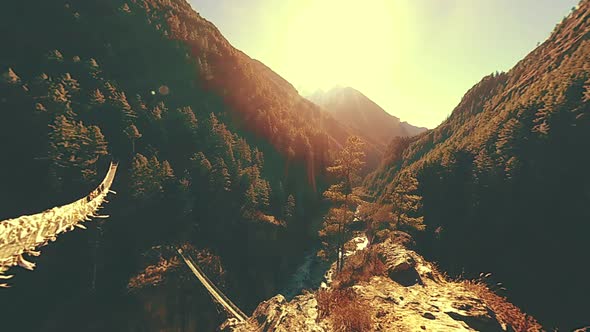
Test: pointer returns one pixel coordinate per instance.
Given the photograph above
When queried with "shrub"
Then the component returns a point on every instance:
(506, 312)
(345, 309)
(358, 267)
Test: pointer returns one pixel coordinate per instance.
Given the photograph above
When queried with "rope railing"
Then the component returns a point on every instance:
(25, 234)
(216, 294)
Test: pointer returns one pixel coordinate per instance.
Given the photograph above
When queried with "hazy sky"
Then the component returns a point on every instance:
(415, 58)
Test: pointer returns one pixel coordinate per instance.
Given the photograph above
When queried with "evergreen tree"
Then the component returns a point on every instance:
(166, 172)
(97, 98)
(63, 142)
(94, 145)
(507, 136)
(250, 202)
(55, 55)
(377, 217)
(10, 77)
(201, 164)
(133, 134)
(406, 204)
(146, 177)
(263, 192)
(289, 210)
(336, 231)
(221, 180)
(70, 84)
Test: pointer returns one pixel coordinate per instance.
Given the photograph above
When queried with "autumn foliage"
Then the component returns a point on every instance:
(506, 312)
(345, 309)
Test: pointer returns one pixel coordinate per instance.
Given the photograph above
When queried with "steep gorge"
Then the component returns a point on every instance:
(220, 155)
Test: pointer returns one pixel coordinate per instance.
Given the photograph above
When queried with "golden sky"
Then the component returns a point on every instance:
(415, 58)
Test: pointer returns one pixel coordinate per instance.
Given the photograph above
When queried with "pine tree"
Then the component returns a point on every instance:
(166, 172)
(94, 145)
(55, 55)
(63, 142)
(220, 176)
(485, 169)
(201, 164)
(258, 158)
(336, 231)
(147, 176)
(406, 204)
(263, 192)
(97, 141)
(10, 77)
(59, 94)
(507, 136)
(377, 216)
(118, 101)
(289, 210)
(69, 83)
(93, 68)
(97, 98)
(512, 167)
(250, 202)
(140, 176)
(133, 133)
(244, 152)
(125, 8)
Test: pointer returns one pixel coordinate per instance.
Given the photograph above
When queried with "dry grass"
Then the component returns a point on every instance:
(346, 310)
(506, 312)
(358, 267)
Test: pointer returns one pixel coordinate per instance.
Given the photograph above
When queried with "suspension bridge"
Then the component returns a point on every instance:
(26, 234)
(215, 293)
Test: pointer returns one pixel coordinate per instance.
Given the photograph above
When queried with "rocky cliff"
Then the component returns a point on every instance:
(407, 294)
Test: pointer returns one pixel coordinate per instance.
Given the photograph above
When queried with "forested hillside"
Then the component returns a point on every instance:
(261, 101)
(156, 87)
(504, 181)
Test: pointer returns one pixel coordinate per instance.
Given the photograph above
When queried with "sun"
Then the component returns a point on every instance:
(329, 42)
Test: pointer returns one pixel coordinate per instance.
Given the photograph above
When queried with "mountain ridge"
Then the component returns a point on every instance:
(356, 110)
(496, 169)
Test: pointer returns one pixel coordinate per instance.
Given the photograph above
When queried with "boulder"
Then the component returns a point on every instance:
(276, 314)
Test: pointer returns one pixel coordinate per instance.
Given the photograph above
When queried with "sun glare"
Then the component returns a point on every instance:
(342, 42)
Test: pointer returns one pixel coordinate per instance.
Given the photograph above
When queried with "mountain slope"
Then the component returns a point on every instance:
(215, 150)
(260, 100)
(355, 110)
(505, 176)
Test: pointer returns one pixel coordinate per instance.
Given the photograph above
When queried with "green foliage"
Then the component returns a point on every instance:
(406, 204)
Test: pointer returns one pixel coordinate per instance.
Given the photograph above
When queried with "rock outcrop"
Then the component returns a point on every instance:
(276, 314)
(411, 295)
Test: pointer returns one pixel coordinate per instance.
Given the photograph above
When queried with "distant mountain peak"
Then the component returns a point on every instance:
(354, 109)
